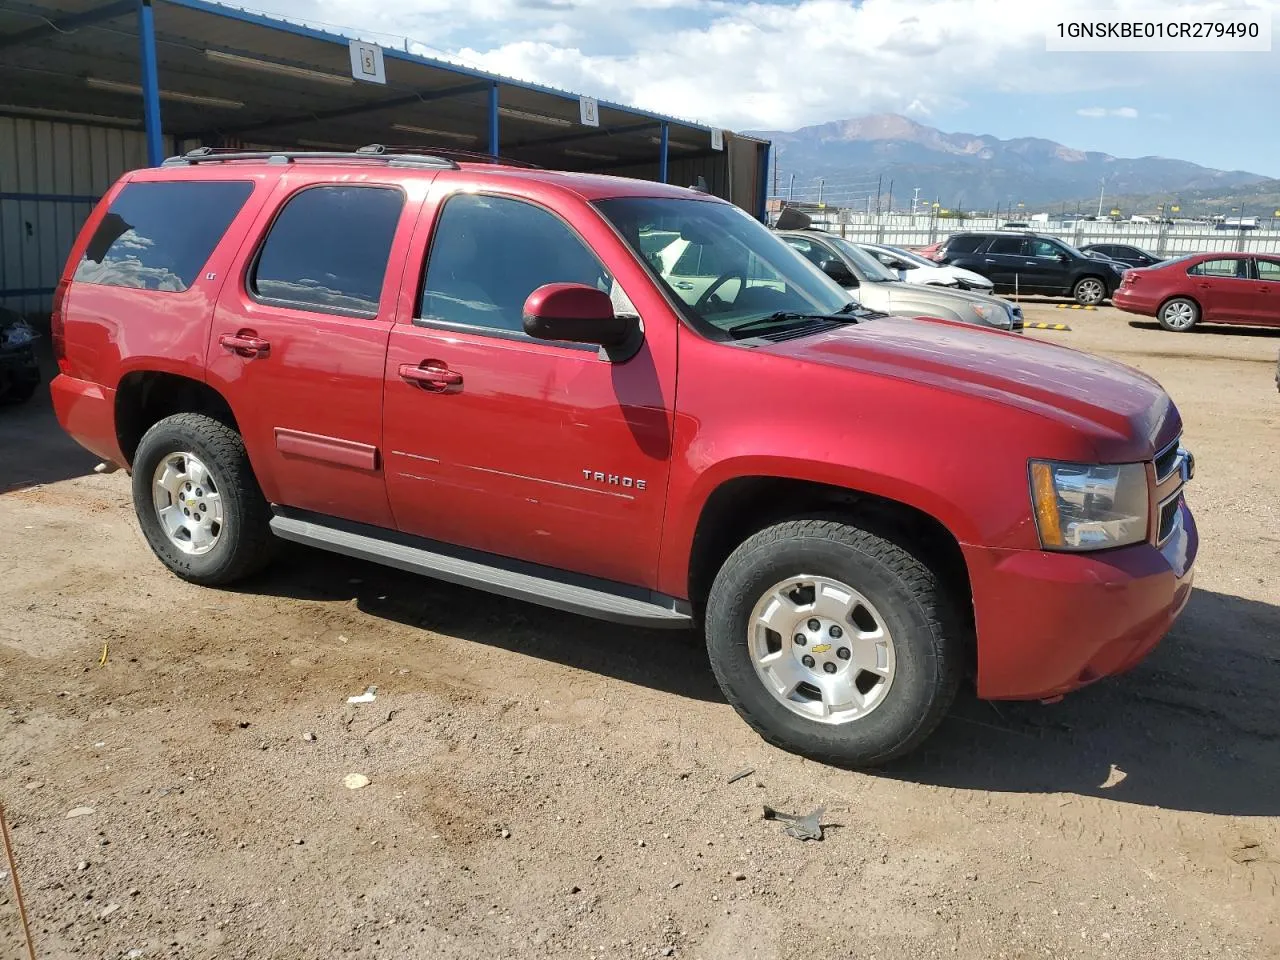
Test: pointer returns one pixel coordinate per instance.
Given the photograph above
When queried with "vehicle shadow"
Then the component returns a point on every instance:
(673, 661)
(1214, 329)
(1195, 727)
(33, 447)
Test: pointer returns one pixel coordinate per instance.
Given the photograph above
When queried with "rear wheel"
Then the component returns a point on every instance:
(198, 501)
(833, 642)
(1089, 291)
(1179, 315)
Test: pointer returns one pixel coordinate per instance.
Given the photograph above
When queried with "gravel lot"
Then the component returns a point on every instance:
(547, 786)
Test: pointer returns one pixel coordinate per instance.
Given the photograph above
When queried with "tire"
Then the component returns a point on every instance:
(19, 391)
(1089, 291)
(898, 592)
(1179, 314)
(242, 542)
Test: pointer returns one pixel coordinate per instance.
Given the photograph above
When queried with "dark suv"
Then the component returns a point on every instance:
(1029, 263)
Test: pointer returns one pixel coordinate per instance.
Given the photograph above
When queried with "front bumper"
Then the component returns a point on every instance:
(1049, 623)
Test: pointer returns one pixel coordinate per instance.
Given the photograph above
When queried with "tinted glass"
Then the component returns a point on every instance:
(1006, 245)
(489, 253)
(1218, 268)
(157, 236)
(868, 266)
(1269, 270)
(328, 249)
(964, 244)
(1043, 248)
(764, 280)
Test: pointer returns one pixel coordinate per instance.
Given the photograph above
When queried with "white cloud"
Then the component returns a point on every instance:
(767, 64)
(1127, 113)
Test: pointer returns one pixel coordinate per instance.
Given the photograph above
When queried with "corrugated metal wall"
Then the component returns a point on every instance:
(51, 174)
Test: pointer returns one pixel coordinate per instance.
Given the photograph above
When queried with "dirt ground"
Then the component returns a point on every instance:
(547, 786)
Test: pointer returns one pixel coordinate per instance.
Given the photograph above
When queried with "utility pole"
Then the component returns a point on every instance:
(889, 204)
(1102, 189)
(915, 198)
(879, 181)
(822, 182)
(791, 190)
(776, 157)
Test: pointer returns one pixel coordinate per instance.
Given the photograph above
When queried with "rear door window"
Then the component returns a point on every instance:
(328, 249)
(158, 236)
(1008, 246)
(964, 244)
(1228, 267)
(1269, 270)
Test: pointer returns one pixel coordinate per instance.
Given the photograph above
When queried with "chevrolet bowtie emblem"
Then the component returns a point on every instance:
(821, 648)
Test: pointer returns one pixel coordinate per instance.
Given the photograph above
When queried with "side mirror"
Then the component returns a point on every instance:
(1062, 258)
(899, 265)
(838, 272)
(576, 313)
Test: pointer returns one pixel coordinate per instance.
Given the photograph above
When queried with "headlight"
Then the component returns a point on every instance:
(1083, 507)
(993, 315)
(17, 335)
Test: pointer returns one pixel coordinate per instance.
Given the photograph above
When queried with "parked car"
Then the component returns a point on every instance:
(1031, 263)
(19, 369)
(490, 375)
(913, 268)
(878, 288)
(1123, 253)
(1205, 288)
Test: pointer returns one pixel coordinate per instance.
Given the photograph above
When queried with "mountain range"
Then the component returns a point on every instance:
(972, 172)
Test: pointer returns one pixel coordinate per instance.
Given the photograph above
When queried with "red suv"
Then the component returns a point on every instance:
(489, 375)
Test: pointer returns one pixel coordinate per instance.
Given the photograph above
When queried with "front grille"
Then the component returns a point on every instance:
(1166, 461)
(1168, 518)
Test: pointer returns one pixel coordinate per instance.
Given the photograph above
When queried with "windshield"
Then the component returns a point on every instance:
(725, 269)
(909, 257)
(871, 268)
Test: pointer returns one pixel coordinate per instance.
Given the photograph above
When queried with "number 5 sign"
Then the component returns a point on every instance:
(366, 62)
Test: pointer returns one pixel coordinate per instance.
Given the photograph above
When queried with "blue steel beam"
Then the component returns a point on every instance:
(662, 156)
(68, 24)
(494, 141)
(150, 84)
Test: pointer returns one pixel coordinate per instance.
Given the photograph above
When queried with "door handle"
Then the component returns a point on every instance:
(1204, 286)
(431, 375)
(245, 343)
(683, 285)
(988, 260)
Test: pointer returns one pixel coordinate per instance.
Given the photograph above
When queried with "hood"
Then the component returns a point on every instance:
(1127, 414)
(941, 295)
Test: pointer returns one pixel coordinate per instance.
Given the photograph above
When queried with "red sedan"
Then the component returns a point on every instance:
(1205, 288)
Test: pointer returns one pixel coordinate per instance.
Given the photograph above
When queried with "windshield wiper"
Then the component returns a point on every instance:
(843, 315)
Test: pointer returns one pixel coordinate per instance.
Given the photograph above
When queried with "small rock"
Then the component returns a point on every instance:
(355, 781)
(309, 737)
(575, 889)
(506, 834)
(110, 909)
(739, 876)
(641, 843)
(971, 876)
(669, 951)
(674, 884)
(134, 892)
(299, 842)
(79, 812)
(34, 785)
(82, 866)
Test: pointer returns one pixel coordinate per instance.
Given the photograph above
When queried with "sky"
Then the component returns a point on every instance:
(971, 66)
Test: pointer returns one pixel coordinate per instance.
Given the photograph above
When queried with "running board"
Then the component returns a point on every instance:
(541, 585)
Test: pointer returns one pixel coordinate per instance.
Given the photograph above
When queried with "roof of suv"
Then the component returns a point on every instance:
(589, 186)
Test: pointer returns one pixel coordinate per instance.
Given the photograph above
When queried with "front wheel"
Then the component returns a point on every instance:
(198, 502)
(1089, 291)
(1179, 315)
(833, 642)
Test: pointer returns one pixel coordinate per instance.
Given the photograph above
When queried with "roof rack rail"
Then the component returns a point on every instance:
(373, 151)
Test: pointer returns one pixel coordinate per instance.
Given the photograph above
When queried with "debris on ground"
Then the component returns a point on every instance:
(806, 827)
(79, 812)
(370, 695)
(309, 737)
(742, 774)
(355, 781)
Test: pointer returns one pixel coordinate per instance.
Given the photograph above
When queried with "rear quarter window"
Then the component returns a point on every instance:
(158, 236)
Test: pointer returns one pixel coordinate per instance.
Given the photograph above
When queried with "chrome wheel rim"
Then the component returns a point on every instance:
(188, 503)
(1090, 291)
(821, 649)
(1179, 315)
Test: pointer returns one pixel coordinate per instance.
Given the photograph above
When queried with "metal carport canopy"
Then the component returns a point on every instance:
(229, 77)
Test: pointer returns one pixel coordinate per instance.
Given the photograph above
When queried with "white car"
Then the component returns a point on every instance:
(914, 268)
